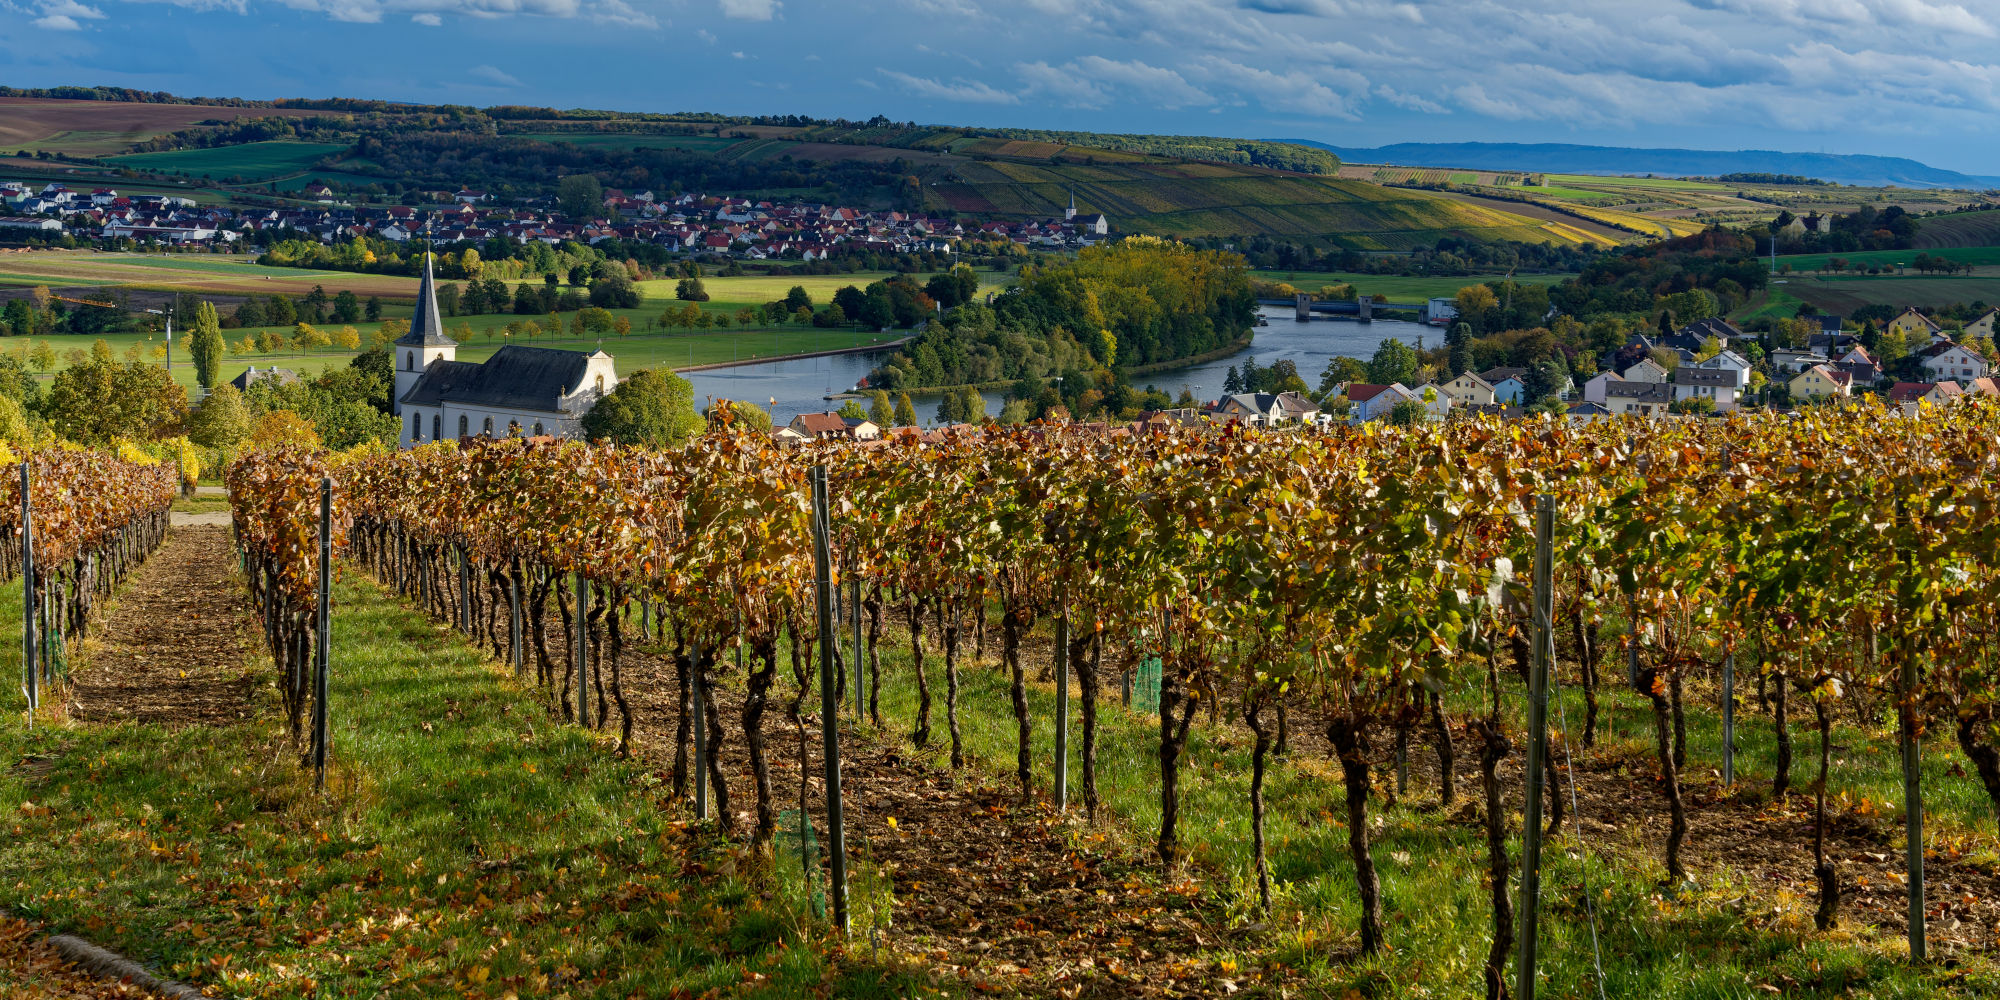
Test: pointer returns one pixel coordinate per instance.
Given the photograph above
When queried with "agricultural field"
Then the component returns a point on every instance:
(255, 161)
(1397, 287)
(1981, 256)
(627, 140)
(1963, 229)
(1845, 294)
(103, 128)
(1219, 200)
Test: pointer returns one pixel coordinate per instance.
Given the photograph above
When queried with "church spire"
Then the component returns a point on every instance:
(1071, 214)
(427, 325)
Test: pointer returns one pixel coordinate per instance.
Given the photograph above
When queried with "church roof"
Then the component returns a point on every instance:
(427, 326)
(514, 378)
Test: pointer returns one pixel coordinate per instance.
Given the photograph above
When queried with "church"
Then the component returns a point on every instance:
(519, 391)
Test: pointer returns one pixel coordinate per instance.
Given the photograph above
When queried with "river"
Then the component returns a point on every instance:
(799, 386)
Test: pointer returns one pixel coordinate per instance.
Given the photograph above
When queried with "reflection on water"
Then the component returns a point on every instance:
(799, 385)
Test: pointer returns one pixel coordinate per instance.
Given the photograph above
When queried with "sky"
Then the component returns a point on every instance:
(1908, 78)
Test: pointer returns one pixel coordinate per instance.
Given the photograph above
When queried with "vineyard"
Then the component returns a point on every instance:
(1368, 598)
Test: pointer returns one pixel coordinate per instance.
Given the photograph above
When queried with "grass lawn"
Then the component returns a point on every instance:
(1397, 288)
(467, 846)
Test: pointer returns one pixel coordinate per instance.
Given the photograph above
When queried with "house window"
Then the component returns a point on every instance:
(437, 426)
(464, 425)
(488, 429)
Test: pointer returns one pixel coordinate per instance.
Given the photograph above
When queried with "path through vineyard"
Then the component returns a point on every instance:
(173, 645)
(1001, 894)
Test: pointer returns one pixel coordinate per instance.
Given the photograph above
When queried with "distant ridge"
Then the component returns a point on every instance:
(1841, 168)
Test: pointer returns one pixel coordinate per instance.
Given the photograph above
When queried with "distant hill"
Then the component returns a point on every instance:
(1841, 168)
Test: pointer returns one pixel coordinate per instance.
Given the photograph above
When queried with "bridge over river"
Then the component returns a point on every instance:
(1363, 310)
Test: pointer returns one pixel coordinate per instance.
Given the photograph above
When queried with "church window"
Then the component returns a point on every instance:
(464, 425)
(600, 384)
(410, 361)
(416, 427)
(538, 428)
(488, 429)
(513, 428)
(437, 426)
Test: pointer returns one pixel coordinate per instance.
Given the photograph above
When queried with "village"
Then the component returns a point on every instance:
(691, 223)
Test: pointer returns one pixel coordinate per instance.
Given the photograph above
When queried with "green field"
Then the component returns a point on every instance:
(256, 161)
(212, 264)
(1397, 288)
(1983, 256)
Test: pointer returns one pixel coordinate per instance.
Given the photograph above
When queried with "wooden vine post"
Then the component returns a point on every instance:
(1062, 708)
(1729, 719)
(582, 651)
(1913, 802)
(700, 732)
(836, 841)
(29, 687)
(321, 621)
(860, 677)
(1537, 736)
(514, 625)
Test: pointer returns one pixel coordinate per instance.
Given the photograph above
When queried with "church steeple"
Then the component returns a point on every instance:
(427, 325)
(1071, 214)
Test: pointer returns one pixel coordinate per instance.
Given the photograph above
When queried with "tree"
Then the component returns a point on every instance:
(650, 407)
(205, 345)
(346, 307)
(906, 412)
(743, 416)
(221, 421)
(1394, 361)
(691, 290)
(951, 409)
(373, 311)
(580, 196)
(1232, 381)
(972, 406)
(1407, 413)
(1459, 340)
(878, 309)
(283, 427)
(43, 356)
(615, 290)
(853, 410)
(797, 299)
(1341, 370)
(96, 401)
(879, 409)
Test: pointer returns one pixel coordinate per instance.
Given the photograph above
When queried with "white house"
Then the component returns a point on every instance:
(1646, 370)
(1717, 384)
(1730, 361)
(1593, 390)
(519, 391)
(1373, 402)
(1946, 361)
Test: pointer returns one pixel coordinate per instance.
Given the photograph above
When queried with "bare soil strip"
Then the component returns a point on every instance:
(171, 649)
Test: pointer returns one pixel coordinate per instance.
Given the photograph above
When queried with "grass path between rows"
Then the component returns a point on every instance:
(466, 845)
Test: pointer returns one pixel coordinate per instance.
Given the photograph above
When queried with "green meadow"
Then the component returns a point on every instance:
(256, 161)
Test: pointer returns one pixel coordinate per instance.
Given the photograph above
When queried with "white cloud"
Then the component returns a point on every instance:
(66, 15)
(750, 10)
(965, 91)
(1410, 101)
(431, 20)
(493, 75)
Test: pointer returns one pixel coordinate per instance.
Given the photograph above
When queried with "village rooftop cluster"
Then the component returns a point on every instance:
(688, 223)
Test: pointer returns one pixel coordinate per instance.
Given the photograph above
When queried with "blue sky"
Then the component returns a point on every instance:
(1896, 77)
